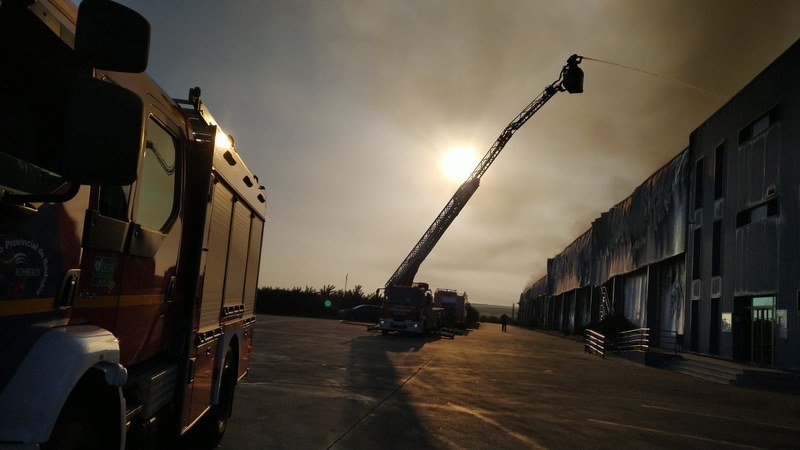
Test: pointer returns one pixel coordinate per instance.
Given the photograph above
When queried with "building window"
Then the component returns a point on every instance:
(719, 172)
(716, 249)
(698, 184)
(697, 254)
(757, 213)
(759, 125)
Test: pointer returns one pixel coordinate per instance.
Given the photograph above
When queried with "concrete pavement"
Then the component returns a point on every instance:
(319, 384)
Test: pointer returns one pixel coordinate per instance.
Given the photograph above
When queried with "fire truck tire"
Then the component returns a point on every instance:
(216, 420)
(384, 332)
(87, 420)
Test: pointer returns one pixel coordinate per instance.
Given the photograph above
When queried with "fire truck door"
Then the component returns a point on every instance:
(128, 266)
(146, 303)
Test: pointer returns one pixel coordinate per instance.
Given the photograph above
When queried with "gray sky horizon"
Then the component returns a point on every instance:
(345, 108)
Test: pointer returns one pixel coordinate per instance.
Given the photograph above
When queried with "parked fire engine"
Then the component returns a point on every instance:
(409, 308)
(454, 307)
(400, 286)
(130, 239)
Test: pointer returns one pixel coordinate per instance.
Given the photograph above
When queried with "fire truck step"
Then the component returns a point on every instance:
(133, 411)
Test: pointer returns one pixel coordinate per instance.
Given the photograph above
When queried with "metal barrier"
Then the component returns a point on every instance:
(637, 339)
(595, 343)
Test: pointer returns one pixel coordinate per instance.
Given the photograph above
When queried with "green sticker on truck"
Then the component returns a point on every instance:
(103, 274)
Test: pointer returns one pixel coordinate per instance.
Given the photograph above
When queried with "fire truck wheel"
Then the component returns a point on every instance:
(384, 332)
(78, 430)
(85, 421)
(216, 420)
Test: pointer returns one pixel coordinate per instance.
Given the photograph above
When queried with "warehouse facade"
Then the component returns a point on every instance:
(706, 252)
(633, 254)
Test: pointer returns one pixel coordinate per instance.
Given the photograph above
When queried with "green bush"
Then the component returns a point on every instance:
(473, 316)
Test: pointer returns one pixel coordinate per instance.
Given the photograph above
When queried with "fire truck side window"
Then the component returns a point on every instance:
(114, 201)
(158, 178)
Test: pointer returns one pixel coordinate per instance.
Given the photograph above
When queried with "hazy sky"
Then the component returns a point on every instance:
(345, 108)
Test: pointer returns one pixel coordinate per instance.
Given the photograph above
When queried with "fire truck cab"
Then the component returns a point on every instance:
(130, 239)
(408, 308)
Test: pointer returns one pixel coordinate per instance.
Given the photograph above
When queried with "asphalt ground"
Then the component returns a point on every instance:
(322, 384)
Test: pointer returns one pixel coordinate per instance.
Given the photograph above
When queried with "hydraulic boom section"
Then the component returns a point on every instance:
(570, 80)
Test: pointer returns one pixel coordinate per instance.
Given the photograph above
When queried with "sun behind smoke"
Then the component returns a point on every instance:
(459, 163)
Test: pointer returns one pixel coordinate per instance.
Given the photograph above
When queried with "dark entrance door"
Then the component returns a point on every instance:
(713, 343)
(763, 330)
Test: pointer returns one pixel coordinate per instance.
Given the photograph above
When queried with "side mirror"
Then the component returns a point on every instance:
(109, 36)
(103, 133)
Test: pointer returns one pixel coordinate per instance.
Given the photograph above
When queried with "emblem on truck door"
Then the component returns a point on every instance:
(23, 265)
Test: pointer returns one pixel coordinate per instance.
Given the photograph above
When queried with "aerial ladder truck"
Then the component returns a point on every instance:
(408, 305)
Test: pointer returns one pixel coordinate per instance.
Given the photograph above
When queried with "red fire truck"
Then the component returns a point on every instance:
(130, 239)
(409, 309)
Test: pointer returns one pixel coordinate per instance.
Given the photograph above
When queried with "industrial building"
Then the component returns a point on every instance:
(705, 252)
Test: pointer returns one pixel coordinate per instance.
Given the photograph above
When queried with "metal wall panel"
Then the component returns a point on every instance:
(569, 309)
(756, 262)
(635, 297)
(540, 287)
(216, 257)
(571, 269)
(645, 228)
(583, 308)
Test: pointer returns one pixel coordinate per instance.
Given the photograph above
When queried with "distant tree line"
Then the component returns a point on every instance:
(311, 302)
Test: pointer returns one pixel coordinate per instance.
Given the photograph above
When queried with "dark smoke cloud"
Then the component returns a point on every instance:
(344, 108)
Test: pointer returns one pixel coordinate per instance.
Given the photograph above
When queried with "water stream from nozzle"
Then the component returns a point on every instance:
(654, 75)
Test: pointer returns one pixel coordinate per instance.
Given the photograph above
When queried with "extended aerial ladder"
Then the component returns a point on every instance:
(570, 80)
(408, 306)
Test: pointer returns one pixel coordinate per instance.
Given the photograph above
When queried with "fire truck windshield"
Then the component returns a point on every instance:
(33, 104)
(405, 296)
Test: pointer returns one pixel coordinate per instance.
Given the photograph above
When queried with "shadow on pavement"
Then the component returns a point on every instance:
(378, 367)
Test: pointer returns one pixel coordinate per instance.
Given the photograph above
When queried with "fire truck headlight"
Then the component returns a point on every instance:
(416, 325)
(383, 322)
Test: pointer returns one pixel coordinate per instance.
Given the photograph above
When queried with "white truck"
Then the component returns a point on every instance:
(454, 307)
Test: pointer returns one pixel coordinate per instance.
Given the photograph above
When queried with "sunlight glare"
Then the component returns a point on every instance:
(459, 163)
(222, 140)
